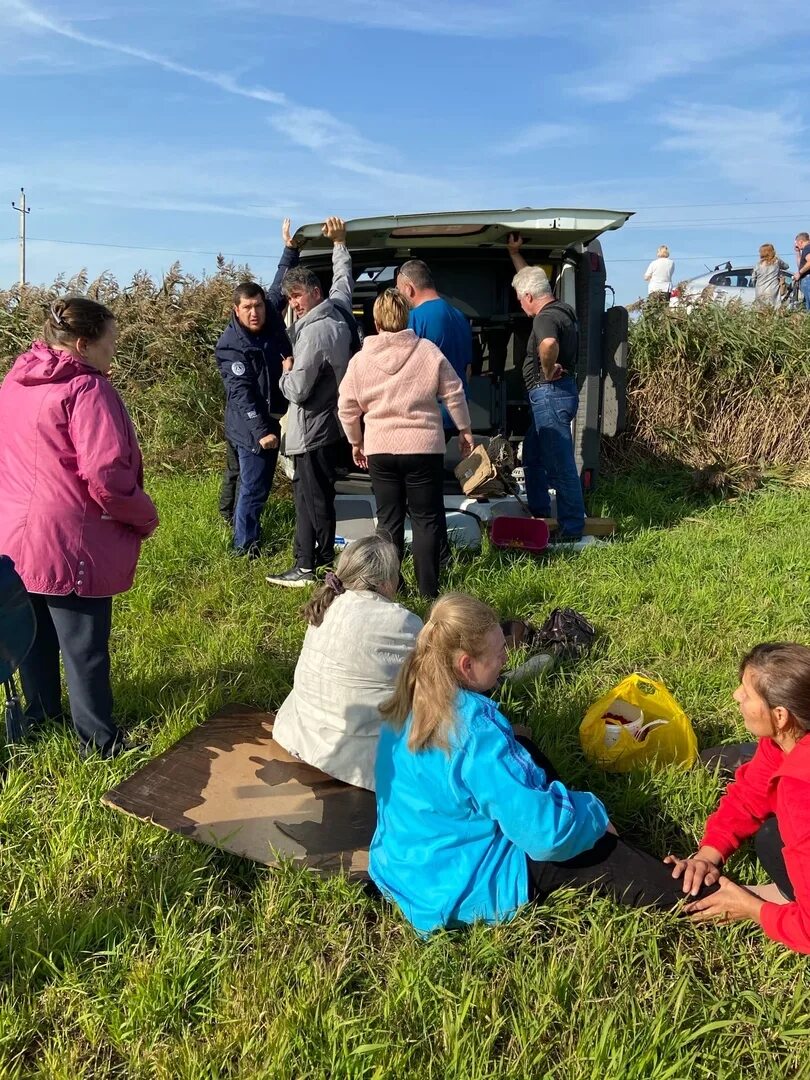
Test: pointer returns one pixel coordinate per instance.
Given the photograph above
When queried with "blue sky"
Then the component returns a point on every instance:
(147, 132)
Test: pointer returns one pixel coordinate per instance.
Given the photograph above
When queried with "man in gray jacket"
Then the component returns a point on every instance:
(322, 343)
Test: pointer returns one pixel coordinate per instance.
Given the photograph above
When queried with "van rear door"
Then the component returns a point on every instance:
(554, 230)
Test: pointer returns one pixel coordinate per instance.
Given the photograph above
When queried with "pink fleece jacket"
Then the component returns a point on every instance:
(73, 511)
(394, 382)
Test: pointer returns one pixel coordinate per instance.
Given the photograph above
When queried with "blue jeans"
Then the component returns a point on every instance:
(256, 472)
(548, 455)
(804, 285)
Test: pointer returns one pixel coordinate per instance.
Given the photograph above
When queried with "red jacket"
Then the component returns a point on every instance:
(73, 512)
(773, 782)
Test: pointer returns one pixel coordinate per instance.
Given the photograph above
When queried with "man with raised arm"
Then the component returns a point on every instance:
(321, 347)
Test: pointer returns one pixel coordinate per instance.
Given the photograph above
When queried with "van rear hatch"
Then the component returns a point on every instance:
(554, 230)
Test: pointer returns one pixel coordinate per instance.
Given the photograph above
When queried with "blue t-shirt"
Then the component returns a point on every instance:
(448, 328)
(454, 827)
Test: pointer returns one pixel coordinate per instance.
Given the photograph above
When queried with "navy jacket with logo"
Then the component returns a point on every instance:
(250, 366)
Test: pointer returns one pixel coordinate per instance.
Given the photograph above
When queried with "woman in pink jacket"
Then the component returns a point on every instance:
(74, 512)
(394, 384)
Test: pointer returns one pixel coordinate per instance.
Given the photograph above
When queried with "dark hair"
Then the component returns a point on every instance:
(73, 317)
(418, 273)
(246, 291)
(300, 277)
(781, 674)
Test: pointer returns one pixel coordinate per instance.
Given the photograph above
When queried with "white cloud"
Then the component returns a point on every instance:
(428, 17)
(757, 150)
(332, 139)
(539, 136)
(645, 43)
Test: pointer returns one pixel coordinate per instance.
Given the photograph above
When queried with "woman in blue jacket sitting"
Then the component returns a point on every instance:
(473, 822)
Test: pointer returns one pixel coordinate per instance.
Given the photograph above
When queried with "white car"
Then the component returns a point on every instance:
(723, 284)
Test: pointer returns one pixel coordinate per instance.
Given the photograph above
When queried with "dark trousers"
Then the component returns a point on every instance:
(612, 866)
(78, 627)
(256, 471)
(229, 491)
(412, 484)
(314, 492)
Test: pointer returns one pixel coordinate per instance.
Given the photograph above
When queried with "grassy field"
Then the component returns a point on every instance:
(129, 952)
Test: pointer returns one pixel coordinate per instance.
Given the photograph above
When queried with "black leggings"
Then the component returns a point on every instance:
(611, 866)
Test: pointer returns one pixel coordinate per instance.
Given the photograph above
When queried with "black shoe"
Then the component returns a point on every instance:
(295, 578)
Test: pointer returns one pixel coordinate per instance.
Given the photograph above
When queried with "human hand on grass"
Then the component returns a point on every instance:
(730, 903)
(702, 868)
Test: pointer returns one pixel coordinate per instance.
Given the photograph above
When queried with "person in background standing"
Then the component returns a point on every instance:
(767, 277)
(249, 355)
(660, 272)
(802, 275)
(74, 512)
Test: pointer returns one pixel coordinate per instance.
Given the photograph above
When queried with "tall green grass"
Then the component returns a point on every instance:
(129, 952)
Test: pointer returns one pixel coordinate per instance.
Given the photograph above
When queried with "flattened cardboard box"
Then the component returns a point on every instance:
(229, 785)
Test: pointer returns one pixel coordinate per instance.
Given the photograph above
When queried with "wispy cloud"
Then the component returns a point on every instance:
(758, 150)
(645, 44)
(539, 136)
(507, 19)
(332, 139)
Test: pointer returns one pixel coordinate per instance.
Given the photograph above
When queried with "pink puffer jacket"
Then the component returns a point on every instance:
(73, 512)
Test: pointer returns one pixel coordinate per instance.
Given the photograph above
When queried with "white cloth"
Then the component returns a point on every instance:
(346, 669)
(659, 275)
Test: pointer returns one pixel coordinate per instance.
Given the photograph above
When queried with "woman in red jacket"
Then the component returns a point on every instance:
(73, 511)
(769, 799)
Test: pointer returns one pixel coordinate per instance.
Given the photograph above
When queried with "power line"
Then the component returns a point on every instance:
(140, 247)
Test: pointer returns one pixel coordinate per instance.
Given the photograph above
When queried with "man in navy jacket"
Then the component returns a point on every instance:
(249, 355)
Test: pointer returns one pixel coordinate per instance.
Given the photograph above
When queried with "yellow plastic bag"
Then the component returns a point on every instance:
(648, 725)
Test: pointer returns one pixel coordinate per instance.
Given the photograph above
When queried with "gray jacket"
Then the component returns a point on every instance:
(321, 342)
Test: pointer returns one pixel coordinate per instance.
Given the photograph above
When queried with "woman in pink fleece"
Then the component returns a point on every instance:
(74, 512)
(394, 384)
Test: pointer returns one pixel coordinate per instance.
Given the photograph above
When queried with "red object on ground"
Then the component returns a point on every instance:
(531, 534)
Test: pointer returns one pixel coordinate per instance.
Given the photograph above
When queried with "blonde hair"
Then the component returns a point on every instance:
(767, 252)
(663, 252)
(427, 683)
(391, 310)
(369, 564)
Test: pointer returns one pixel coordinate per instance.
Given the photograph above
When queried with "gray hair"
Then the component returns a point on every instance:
(533, 280)
(418, 273)
(370, 563)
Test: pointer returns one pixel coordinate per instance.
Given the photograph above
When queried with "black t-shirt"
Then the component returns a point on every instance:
(803, 258)
(556, 320)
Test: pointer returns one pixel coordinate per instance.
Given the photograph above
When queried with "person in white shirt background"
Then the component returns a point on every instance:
(660, 272)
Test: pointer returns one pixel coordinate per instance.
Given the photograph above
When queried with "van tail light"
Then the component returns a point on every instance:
(594, 260)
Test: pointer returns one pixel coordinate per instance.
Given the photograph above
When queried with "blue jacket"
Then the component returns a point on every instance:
(250, 366)
(454, 829)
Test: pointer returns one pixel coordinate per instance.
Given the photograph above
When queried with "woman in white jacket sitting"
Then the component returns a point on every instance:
(354, 646)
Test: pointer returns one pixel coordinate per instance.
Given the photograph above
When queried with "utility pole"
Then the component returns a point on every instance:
(23, 212)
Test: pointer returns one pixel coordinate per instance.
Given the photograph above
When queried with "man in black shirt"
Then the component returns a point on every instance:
(549, 372)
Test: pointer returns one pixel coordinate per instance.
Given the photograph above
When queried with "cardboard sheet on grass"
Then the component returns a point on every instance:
(227, 784)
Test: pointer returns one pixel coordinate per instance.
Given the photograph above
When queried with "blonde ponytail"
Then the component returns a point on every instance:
(427, 683)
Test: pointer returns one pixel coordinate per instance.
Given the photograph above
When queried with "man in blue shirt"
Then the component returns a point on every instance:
(433, 318)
